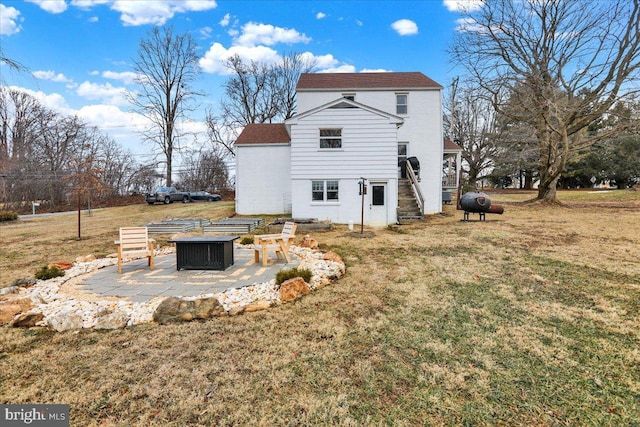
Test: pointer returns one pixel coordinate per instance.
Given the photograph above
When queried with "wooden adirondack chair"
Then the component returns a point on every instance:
(278, 242)
(135, 242)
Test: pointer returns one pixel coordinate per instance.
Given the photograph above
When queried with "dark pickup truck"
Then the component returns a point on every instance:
(167, 195)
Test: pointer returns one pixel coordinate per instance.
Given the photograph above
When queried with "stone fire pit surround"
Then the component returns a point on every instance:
(59, 311)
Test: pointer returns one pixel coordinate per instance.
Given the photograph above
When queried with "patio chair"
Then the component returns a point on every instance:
(278, 242)
(135, 242)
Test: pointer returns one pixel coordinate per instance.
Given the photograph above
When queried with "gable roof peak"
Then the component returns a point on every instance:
(346, 104)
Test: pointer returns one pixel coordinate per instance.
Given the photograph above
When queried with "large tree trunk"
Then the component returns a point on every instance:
(547, 189)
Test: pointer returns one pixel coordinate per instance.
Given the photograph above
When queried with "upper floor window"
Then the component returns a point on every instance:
(401, 103)
(330, 138)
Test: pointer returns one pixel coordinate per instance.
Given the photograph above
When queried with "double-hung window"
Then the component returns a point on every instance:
(330, 138)
(324, 191)
(401, 103)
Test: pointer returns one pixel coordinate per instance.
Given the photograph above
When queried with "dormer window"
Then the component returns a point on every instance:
(401, 103)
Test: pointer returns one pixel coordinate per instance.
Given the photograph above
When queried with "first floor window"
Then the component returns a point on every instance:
(324, 191)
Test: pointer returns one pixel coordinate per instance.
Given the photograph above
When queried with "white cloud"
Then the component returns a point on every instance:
(323, 62)
(359, 23)
(127, 77)
(463, 5)
(376, 70)
(88, 4)
(51, 6)
(9, 20)
(52, 76)
(405, 27)
(341, 69)
(94, 19)
(205, 32)
(155, 12)
(469, 25)
(213, 60)
(254, 34)
(108, 117)
(320, 15)
(53, 101)
(107, 93)
(225, 20)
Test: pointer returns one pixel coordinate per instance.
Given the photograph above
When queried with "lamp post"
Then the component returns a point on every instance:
(363, 192)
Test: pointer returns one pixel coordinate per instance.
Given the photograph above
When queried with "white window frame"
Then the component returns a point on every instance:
(405, 104)
(330, 138)
(327, 190)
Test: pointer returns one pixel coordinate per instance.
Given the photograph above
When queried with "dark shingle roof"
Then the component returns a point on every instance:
(406, 80)
(264, 133)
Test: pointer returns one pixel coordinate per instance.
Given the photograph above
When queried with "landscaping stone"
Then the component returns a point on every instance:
(257, 306)
(24, 283)
(12, 306)
(309, 242)
(62, 265)
(65, 321)
(332, 256)
(111, 319)
(293, 289)
(86, 258)
(45, 305)
(175, 309)
(27, 320)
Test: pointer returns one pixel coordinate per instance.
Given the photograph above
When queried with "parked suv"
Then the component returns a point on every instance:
(167, 195)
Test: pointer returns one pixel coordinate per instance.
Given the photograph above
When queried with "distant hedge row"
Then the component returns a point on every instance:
(8, 216)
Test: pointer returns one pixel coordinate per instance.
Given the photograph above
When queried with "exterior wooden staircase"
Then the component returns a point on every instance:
(408, 209)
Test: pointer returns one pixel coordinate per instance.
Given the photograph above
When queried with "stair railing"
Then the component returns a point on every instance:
(415, 187)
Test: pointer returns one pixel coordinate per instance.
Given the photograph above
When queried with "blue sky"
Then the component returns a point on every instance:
(79, 52)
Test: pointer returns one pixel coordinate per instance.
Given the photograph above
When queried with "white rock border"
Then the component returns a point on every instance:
(63, 312)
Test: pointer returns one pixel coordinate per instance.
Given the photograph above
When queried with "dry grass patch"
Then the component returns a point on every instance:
(31, 243)
(530, 318)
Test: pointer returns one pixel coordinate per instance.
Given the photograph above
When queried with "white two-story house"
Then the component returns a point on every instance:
(352, 131)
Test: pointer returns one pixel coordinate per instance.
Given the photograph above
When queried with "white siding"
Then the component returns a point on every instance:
(369, 146)
(369, 150)
(263, 179)
(422, 129)
(349, 206)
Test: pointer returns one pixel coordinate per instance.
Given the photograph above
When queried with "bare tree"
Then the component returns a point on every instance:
(11, 63)
(205, 170)
(256, 92)
(471, 123)
(167, 64)
(563, 63)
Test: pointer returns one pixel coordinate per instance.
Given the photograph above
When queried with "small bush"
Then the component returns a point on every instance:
(46, 273)
(284, 275)
(247, 240)
(8, 216)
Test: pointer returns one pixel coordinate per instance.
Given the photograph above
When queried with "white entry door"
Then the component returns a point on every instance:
(378, 204)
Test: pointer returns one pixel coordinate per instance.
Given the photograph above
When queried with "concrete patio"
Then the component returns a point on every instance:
(138, 283)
